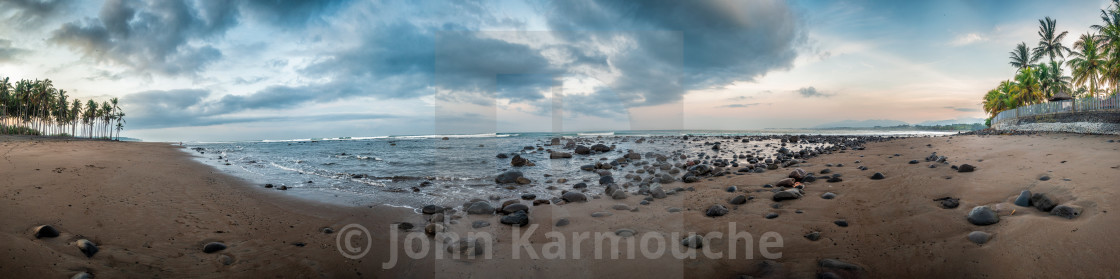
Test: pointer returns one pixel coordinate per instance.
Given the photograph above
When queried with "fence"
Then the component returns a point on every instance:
(1111, 103)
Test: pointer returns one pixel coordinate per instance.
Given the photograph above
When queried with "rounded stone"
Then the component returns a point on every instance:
(982, 216)
(213, 247)
(979, 237)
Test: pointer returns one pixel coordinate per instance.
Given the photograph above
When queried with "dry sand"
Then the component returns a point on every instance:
(150, 208)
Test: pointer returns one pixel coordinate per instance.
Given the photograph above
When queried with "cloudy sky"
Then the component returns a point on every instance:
(282, 69)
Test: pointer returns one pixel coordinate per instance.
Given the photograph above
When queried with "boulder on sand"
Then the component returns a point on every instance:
(574, 197)
(982, 216)
(508, 177)
(1043, 202)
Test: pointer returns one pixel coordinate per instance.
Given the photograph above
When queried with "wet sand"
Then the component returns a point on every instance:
(150, 208)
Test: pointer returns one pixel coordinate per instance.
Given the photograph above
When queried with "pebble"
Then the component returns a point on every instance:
(982, 216)
(82, 275)
(1024, 198)
(404, 226)
(480, 224)
(574, 197)
(87, 247)
(966, 168)
(213, 247)
(517, 219)
(528, 196)
(786, 195)
(716, 211)
(45, 231)
(814, 236)
(877, 176)
(979, 237)
(1066, 211)
(949, 202)
(1044, 178)
(674, 210)
(693, 241)
(771, 215)
(828, 195)
(737, 200)
(1043, 202)
(914, 162)
(620, 207)
(601, 214)
(480, 208)
(732, 189)
(625, 232)
(842, 223)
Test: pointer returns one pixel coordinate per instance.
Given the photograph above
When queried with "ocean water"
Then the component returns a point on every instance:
(411, 171)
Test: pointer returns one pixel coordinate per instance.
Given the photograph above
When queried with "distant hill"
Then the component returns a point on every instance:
(870, 123)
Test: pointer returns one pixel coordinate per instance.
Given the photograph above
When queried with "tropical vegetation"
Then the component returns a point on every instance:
(1093, 62)
(37, 107)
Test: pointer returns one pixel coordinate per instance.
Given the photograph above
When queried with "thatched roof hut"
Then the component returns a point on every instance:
(1060, 96)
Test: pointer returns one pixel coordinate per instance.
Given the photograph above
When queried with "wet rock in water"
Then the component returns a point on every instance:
(982, 216)
(522, 180)
(213, 247)
(517, 219)
(1043, 202)
(562, 222)
(737, 200)
(601, 214)
(480, 224)
(82, 275)
(693, 241)
(657, 192)
(1024, 198)
(87, 247)
(45, 231)
(540, 202)
(508, 177)
(842, 223)
(433, 228)
(788, 182)
(979, 237)
(580, 185)
(786, 195)
(828, 195)
(480, 208)
(517, 161)
(559, 155)
(966, 168)
(432, 209)
(914, 162)
(510, 209)
(606, 180)
(574, 197)
(798, 174)
(1066, 211)
(625, 232)
(600, 148)
(771, 215)
(814, 236)
(587, 167)
(528, 197)
(716, 211)
(582, 150)
(949, 202)
(877, 176)
(502, 156)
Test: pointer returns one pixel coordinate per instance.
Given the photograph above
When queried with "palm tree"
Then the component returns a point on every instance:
(1027, 90)
(1021, 57)
(1051, 79)
(75, 115)
(1110, 44)
(1087, 63)
(1049, 43)
(89, 117)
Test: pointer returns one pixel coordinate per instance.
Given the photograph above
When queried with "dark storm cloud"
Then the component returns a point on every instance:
(31, 12)
(169, 37)
(8, 53)
(178, 108)
(812, 92)
(720, 41)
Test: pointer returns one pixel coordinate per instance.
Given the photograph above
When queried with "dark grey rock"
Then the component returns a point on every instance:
(625, 232)
(771, 215)
(737, 200)
(528, 197)
(716, 211)
(480, 208)
(562, 222)
(979, 237)
(1066, 211)
(87, 247)
(786, 195)
(45, 231)
(838, 264)
(213, 247)
(515, 207)
(517, 219)
(966, 168)
(574, 197)
(508, 177)
(432, 209)
(842, 223)
(814, 236)
(914, 162)
(828, 195)
(693, 241)
(949, 202)
(601, 214)
(1024, 198)
(982, 216)
(877, 176)
(480, 224)
(1043, 202)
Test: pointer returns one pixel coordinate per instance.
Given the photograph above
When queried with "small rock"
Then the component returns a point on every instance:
(732, 189)
(213, 247)
(797, 174)
(480, 224)
(949, 202)
(620, 207)
(431, 209)
(45, 231)
(517, 219)
(562, 222)
(601, 214)
(877, 176)
(828, 195)
(512, 208)
(528, 197)
(1044, 178)
(786, 195)
(434, 228)
(771, 215)
(1066, 211)
(574, 197)
(979, 237)
(404, 226)
(737, 200)
(788, 182)
(838, 264)
(326, 230)
(982, 216)
(1024, 198)
(842, 223)
(82, 275)
(674, 210)
(87, 247)
(625, 232)
(814, 236)
(716, 211)
(480, 208)
(966, 168)
(1043, 202)
(913, 162)
(693, 241)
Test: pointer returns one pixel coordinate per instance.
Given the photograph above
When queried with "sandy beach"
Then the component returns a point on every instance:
(150, 209)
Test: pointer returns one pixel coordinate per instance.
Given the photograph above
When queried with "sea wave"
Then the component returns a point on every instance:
(489, 135)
